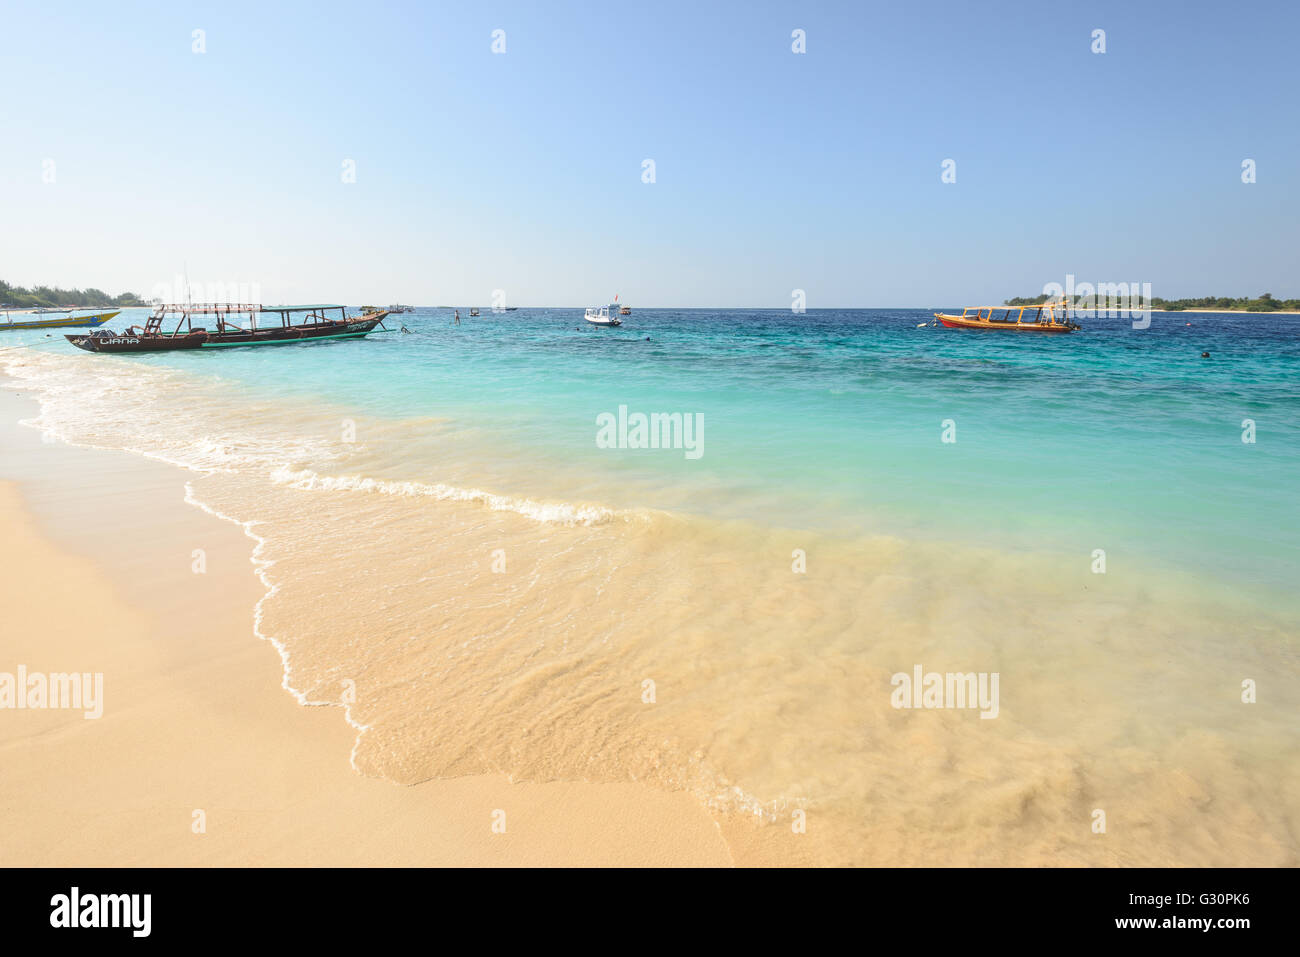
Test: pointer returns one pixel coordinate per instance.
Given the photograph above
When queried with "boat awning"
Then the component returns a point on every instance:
(300, 308)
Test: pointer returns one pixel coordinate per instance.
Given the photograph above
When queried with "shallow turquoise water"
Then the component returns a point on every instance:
(1113, 438)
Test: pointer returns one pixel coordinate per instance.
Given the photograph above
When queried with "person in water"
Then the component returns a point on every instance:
(457, 317)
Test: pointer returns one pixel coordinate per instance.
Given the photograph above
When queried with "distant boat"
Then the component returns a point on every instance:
(603, 315)
(473, 310)
(151, 337)
(511, 308)
(981, 317)
(399, 308)
(625, 311)
(98, 319)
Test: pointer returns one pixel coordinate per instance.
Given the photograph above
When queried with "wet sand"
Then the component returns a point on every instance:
(102, 548)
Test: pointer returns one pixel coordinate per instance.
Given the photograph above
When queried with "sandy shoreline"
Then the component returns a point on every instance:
(1122, 693)
(1230, 312)
(195, 719)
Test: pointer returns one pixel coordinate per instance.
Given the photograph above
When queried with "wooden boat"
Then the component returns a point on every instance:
(97, 319)
(1049, 317)
(317, 325)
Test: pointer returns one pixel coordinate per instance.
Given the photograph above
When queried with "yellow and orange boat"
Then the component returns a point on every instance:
(1047, 317)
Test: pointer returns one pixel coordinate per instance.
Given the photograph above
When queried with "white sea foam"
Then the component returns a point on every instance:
(550, 512)
(91, 403)
(262, 565)
(130, 408)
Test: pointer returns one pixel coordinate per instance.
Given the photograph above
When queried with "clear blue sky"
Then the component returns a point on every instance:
(478, 171)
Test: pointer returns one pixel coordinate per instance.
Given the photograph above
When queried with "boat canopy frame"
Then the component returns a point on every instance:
(985, 313)
(316, 316)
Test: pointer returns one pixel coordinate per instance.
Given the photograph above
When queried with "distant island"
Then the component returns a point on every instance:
(18, 297)
(1265, 303)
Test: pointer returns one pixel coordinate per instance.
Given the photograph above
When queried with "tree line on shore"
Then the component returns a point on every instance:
(19, 297)
(1264, 303)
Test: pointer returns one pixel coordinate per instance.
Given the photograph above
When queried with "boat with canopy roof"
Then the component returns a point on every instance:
(236, 324)
(1047, 317)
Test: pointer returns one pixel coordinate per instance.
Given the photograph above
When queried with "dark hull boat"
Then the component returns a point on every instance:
(316, 325)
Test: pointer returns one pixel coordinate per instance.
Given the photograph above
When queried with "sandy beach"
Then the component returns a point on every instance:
(1231, 312)
(460, 629)
(200, 756)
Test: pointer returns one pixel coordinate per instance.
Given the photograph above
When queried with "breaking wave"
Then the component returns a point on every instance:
(551, 512)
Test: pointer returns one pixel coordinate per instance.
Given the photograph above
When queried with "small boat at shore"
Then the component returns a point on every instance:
(96, 319)
(1047, 317)
(316, 325)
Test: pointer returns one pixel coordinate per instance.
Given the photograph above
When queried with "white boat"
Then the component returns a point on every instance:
(603, 315)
